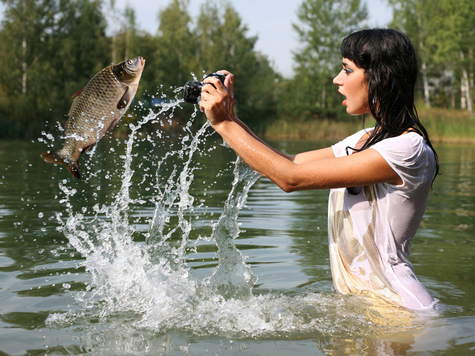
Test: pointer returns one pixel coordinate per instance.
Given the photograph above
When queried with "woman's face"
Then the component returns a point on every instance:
(353, 86)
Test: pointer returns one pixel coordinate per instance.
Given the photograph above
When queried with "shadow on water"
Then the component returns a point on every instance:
(172, 246)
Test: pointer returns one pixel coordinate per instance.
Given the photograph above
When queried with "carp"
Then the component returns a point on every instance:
(96, 109)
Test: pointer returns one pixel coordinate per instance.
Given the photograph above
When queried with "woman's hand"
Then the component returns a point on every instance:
(217, 101)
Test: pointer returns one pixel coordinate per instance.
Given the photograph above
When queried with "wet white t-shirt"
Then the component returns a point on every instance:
(370, 233)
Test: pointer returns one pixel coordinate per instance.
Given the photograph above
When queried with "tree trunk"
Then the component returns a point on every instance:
(24, 67)
(426, 84)
(466, 101)
(114, 32)
(324, 96)
(127, 43)
(425, 81)
(466, 93)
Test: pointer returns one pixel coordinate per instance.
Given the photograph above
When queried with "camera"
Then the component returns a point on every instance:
(192, 89)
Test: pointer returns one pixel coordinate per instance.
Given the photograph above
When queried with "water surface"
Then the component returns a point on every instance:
(171, 246)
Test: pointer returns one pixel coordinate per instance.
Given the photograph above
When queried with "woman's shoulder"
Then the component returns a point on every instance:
(350, 141)
(410, 142)
(409, 150)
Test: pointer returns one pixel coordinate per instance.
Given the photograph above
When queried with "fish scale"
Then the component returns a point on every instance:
(96, 109)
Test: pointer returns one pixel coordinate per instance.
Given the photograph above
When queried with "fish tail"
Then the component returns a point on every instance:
(73, 167)
(57, 157)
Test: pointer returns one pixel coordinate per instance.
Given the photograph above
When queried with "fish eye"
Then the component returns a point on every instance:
(130, 62)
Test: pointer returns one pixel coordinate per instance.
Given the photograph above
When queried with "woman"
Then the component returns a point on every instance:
(380, 178)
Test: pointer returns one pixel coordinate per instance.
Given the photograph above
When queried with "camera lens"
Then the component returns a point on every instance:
(192, 92)
(192, 89)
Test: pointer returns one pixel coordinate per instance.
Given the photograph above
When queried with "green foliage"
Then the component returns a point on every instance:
(322, 26)
(448, 126)
(443, 32)
(321, 129)
(49, 49)
(223, 44)
(175, 44)
(22, 61)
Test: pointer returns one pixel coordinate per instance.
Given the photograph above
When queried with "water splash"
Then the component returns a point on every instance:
(233, 277)
(149, 280)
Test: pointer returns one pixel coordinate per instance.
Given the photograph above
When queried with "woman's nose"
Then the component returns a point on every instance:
(338, 79)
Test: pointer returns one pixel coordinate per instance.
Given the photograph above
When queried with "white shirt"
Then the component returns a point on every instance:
(370, 233)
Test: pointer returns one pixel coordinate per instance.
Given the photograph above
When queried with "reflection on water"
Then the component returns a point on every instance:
(171, 246)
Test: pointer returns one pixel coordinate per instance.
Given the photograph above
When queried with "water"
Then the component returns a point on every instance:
(170, 245)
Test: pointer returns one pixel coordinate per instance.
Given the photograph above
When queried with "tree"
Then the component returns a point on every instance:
(26, 30)
(79, 49)
(443, 32)
(49, 50)
(131, 42)
(223, 43)
(415, 18)
(129, 29)
(323, 25)
(176, 44)
(454, 41)
(83, 39)
(123, 31)
(114, 19)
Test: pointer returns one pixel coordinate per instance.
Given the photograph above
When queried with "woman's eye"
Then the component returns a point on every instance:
(347, 71)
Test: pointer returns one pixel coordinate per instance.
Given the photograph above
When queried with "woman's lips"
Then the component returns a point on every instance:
(344, 102)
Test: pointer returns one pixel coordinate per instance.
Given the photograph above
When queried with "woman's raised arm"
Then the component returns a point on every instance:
(311, 170)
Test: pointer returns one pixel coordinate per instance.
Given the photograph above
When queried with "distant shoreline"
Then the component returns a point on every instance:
(443, 126)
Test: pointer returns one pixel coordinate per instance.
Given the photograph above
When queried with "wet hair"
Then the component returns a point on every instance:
(390, 64)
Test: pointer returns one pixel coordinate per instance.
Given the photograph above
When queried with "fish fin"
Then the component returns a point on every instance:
(111, 126)
(53, 157)
(66, 127)
(85, 149)
(125, 100)
(57, 158)
(72, 106)
(73, 167)
(77, 93)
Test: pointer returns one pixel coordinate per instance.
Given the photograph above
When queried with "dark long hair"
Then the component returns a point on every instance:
(390, 64)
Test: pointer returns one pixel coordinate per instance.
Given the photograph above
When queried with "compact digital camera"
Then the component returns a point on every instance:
(192, 90)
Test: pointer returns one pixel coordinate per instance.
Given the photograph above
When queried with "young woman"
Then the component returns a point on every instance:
(380, 178)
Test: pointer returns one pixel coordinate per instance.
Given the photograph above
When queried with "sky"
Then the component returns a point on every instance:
(270, 20)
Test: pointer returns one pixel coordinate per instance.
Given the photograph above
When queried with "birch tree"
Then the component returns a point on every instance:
(175, 43)
(322, 26)
(443, 32)
(26, 30)
(25, 27)
(224, 43)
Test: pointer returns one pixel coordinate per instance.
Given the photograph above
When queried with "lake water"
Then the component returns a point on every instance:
(170, 246)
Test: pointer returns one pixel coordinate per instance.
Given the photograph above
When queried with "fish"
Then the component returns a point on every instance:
(95, 110)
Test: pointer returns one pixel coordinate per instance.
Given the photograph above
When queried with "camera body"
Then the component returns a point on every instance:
(192, 89)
